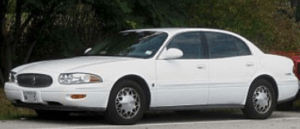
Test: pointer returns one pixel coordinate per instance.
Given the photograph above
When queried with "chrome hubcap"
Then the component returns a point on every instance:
(262, 99)
(127, 103)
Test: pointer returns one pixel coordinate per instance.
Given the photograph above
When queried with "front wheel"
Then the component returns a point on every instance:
(127, 103)
(261, 100)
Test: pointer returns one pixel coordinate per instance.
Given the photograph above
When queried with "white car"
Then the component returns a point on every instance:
(157, 69)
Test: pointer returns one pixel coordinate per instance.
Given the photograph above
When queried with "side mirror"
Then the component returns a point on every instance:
(172, 53)
(87, 50)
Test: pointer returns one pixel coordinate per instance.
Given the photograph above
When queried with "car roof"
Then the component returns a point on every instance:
(176, 30)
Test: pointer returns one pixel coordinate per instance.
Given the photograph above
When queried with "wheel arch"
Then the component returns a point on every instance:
(270, 79)
(141, 81)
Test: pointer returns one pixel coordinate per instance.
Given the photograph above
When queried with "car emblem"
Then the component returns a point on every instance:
(32, 80)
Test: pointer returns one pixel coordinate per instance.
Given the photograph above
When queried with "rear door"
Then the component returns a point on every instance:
(231, 67)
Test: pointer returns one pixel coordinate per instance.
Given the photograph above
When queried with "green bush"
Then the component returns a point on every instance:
(269, 24)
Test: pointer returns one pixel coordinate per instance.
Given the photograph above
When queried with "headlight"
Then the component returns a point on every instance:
(78, 78)
(12, 77)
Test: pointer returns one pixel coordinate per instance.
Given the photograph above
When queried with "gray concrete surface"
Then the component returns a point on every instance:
(164, 120)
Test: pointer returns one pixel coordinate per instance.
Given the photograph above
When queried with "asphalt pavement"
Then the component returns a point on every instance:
(218, 119)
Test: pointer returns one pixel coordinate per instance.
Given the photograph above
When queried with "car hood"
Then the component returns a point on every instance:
(64, 65)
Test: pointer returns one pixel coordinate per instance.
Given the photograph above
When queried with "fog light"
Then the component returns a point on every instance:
(78, 96)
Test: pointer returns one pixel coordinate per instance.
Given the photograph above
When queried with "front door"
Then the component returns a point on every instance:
(183, 81)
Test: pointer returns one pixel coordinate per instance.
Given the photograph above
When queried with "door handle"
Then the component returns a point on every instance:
(201, 66)
(250, 64)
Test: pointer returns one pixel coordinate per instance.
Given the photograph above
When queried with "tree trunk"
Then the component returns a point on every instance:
(1, 79)
(29, 52)
(294, 3)
(18, 21)
(16, 39)
(17, 28)
(298, 11)
(8, 62)
(3, 4)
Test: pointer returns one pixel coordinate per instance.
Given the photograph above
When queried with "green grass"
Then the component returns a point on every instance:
(297, 104)
(8, 111)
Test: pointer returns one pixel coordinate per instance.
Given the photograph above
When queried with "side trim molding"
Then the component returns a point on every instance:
(198, 107)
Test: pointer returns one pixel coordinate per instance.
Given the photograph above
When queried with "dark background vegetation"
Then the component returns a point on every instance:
(33, 30)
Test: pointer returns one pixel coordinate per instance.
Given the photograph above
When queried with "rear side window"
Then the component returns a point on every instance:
(224, 45)
(243, 49)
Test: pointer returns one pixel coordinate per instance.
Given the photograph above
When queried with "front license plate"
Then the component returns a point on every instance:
(30, 96)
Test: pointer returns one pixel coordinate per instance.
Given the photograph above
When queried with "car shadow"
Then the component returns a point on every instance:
(192, 116)
(153, 117)
(289, 110)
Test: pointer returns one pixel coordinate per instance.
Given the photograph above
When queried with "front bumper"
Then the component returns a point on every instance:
(49, 99)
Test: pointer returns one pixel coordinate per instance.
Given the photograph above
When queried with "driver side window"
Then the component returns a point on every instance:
(189, 43)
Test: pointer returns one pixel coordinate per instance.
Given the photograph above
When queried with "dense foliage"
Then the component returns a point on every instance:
(33, 30)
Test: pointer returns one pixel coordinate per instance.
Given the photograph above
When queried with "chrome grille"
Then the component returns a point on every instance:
(34, 80)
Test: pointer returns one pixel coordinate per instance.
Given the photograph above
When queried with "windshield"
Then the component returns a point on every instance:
(130, 44)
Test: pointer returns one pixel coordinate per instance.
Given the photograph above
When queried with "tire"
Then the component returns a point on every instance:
(261, 104)
(285, 106)
(127, 103)
(51, 114)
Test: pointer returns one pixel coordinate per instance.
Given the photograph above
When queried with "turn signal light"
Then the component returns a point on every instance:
(78, 96)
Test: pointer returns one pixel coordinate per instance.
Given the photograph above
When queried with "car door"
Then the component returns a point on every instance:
(231, 67)
(183, 81)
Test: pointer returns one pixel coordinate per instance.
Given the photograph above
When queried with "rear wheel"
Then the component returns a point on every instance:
(127, 103)
(261, 100)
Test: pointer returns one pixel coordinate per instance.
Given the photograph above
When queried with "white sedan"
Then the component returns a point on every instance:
(134, 71)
